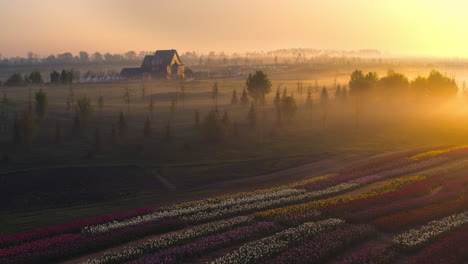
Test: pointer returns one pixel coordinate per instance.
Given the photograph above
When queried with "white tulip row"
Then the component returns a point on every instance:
(170, 239)
(268, 247)
(417, 237)
(193, 210)
(266, 204)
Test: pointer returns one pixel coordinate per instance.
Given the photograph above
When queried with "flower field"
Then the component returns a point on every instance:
(410, 207)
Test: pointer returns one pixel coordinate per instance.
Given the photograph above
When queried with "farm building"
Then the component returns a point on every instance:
(164, 64)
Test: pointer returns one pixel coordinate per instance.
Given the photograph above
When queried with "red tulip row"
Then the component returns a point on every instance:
(324, 245)
(420, 215)
(453, 248)
(68, 227)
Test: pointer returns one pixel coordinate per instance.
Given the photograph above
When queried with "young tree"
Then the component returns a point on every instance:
(126, 97)
(151, 107)
(147, 129)
(5, 102)
(309, 101)
(101, 103)
(28, 129)
(214, 94)
(197, 118)
(234, 99)
(258, 85)
(35, 78)
(85, 108)
(16, 79)
(288, 107)
(338, 92)
(252, 116)
(324, 104)
(277, 100)
(97, 139)
(54, 77)
(41, 104)
(121, 124)
(214, 129)
(244, 98)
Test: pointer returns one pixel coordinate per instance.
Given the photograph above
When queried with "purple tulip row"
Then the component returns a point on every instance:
(297, 218)
(324, 245)
(207, 243)
(80, 244)
(68, 227)
(452, 248)
(369, 255)
(449, 190)
(400, 170)
(354, 175)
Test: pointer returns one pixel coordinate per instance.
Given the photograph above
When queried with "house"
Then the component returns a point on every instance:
(164, 64)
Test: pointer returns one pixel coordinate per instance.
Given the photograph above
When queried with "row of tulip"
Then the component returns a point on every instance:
(285, 193)
(83, 244)
(452, 248)
(208, 212)
(401, 170)
(208, 243)
(450, 190)
(71, 227)
(324, 245)
(241, 195)
(266, 248)
(297, 218)
(403, 219)
(415, 238)
(437, 152)
(369, 255)
(394, 185)
(170, 240)
(356, 175)
(414, 189)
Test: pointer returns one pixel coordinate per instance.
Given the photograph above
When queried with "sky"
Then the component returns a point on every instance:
(398, 27)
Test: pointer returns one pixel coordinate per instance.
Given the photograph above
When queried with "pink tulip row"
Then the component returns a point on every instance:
(450, 190)
(369, 255)
(452, 248)
(69, 227)
(324, 245)
(202, 245)
(77, 244)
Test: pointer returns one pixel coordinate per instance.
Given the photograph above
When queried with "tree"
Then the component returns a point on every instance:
(214, 94)
(126, 98)
(121, 124)
(234, 99)
(226, 121)
(244, 98)
(441, 86)
(67, 76)
(361, 84)
(97, 139)
(213, 128)
(338, 92)
(258, 85)
(84, 57)
(55, 77)
(101, 103)
(41, 104)
(182, 93)
(394, 84)
(147, 128)
(15, 79)
(277, 100)
(151, 106)
(324, 104)
(85, 108)
(5, 102)
(288, 107)
(197, 118)
(35, 78)
(28, 128)
(252, 116)
(309, 101)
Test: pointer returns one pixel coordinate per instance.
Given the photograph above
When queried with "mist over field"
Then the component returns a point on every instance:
(233, 132)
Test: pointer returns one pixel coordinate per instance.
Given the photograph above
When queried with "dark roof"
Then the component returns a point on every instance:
(131, 71)
(166, 56)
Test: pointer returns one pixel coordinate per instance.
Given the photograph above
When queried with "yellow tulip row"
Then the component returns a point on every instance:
(433, 153)
(245, 194)
(384, 188)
